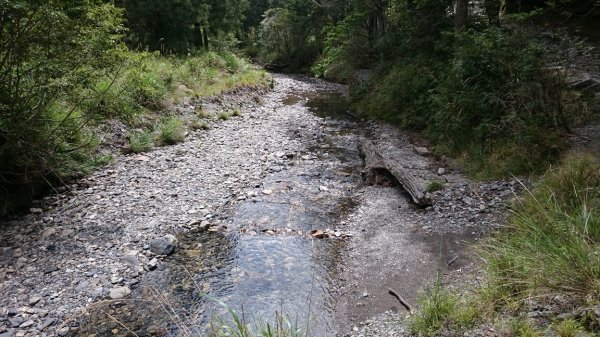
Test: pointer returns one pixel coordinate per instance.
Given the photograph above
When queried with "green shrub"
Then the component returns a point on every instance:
(170, 131)
(204, 125)
(140, 141)
(236, 113)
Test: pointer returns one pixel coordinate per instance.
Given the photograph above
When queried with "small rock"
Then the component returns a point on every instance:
(27, 324)
(48, 232)
(164, 245)
(323, 188)
(318, 234)
(441, 171)
(421, 150)
(267, 192)
(6, 334)
(131, 261)
(15, 321)
(34, 300)
(119, 292)
(46, 323)
(152, 264)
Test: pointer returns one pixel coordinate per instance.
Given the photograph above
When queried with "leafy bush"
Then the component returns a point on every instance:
(170, 131)
(435, 185)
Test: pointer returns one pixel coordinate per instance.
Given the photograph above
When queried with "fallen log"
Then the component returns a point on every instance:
(374, 160)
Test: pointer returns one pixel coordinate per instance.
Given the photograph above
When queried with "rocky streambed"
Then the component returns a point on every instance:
(266, 213)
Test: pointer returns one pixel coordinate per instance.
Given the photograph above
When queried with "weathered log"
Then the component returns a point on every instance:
(374, 159)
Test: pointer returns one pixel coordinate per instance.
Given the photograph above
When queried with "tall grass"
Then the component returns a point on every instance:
(552, 242)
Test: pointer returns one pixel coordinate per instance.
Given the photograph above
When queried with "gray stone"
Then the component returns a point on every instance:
(421, 150)
(119, 292)
(131, 261)
(5, 253)
(15, 321)
(164, 245)
(441, 171)
(152, 264)
(27, 324)
(7, 334)
(34, 300)
(82, 286)
(46, 323)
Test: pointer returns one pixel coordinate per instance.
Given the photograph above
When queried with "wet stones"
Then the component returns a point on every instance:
(164, 245)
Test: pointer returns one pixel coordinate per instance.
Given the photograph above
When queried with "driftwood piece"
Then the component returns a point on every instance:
(375, 159)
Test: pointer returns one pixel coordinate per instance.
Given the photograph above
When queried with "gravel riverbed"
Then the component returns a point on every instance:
(103, 236)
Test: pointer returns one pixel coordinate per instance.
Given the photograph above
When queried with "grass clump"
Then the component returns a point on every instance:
(436, 306)
(435, 185)
(170, 131)
(522, 328)
(236, 325)
(140, 141)
(236, 113)
(568, 328)
(201, 113)
(552, 243)
(223, 115)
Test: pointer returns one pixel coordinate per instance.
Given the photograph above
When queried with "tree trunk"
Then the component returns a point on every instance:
(375, 159)
(460, 16)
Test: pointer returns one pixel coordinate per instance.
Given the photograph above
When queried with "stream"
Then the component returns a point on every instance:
(261, 261)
